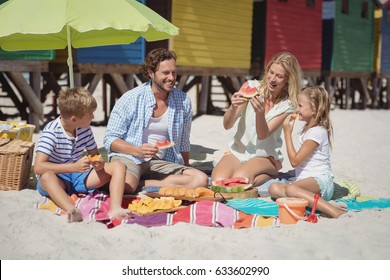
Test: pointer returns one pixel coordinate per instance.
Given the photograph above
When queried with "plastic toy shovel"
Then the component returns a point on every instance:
(312, 218)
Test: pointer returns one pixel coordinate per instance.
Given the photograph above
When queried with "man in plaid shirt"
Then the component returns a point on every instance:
(154, 111)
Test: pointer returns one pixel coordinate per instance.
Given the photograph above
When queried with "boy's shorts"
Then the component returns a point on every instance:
(154, 169)
(75, 183)
(326, 185)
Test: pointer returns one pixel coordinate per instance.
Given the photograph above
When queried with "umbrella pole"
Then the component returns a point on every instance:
(70, 59)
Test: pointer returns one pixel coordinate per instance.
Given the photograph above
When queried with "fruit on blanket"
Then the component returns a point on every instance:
(149, 205)
(95, 157)
(186, 192)
(294, 116)
(231, 185)
(164, 144)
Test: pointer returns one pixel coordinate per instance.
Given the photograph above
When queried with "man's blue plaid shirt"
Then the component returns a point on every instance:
(131, 115)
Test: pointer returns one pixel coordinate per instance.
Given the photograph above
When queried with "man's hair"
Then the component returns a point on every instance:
(75, 102)
(153, 59)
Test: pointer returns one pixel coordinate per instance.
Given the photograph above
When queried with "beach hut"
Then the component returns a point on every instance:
(214, 41)
(294, 26)
(348, 47)
(381, 77)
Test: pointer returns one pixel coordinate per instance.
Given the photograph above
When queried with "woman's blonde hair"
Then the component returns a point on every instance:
(76, 102)
(320, 104)
(294, 75)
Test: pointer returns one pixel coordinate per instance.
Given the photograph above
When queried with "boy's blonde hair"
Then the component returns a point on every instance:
(76, 102)
(294, 77)
(320, 104)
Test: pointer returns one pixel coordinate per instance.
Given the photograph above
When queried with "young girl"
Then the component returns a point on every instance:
(254, 152)
(312, 160)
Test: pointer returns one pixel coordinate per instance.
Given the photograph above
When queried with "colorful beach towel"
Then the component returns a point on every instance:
(364, 203)
(95, 206)
(255, 206)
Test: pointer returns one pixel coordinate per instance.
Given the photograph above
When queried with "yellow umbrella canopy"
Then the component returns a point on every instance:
(57, 24)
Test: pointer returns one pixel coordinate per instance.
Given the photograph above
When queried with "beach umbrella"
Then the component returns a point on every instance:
(57, 24)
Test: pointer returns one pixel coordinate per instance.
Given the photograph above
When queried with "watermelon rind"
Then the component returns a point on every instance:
(171, 144)
(221, 189)
(248, 95)
(229, 189)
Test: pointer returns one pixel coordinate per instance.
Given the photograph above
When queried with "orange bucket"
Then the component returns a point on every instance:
(291, 210)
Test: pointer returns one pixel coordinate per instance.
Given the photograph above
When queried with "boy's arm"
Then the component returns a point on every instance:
(42, 165)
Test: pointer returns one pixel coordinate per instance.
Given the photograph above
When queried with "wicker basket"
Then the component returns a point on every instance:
(15, 163)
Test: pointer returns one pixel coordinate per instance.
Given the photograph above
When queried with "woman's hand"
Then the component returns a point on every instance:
(237, 100)
(258, 104)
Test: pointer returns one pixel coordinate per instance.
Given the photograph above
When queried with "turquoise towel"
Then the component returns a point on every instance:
(361, 203)
(255, 206)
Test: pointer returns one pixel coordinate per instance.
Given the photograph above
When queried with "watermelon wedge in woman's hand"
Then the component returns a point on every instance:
(250, 89)
(164, 144)
(249, 92)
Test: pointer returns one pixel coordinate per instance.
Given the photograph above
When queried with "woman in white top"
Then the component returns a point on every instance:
(254, 152)
(312, 158)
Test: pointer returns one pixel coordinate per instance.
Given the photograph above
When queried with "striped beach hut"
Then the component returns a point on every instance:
(214, 41)
(381, 76)
(294, 26)
(348, 48)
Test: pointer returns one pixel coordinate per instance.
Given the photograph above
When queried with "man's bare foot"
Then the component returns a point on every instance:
(118, 213)
(74, 216)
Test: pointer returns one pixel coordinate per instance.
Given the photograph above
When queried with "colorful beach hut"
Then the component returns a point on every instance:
(381, 76)
(294, 26)
(348, 46)
(214, 41)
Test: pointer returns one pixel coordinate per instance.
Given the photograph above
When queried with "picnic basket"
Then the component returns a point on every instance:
(15, 163)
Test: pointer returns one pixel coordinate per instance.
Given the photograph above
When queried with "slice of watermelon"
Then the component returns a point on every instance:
(164, 144)
(249, 92)
(231, 185)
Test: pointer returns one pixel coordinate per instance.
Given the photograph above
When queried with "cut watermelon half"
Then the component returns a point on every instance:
(231, 185)
(164, 144)
(249, 92)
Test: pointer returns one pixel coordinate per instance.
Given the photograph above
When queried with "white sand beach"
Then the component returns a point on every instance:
(361, 155)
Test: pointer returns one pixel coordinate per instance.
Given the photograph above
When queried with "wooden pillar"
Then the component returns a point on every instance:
(182, 82)
(202, 107)
(28, 93)
(94, 82)
(77, 79)
(329, 88)
(129, 80)
(388, 93)
(347, 92)
(119, 82)
(35, 82)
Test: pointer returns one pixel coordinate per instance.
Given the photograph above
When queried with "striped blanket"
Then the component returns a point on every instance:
(94, 207)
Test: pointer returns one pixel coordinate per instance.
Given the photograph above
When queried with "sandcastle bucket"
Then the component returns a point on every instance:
(291, 210)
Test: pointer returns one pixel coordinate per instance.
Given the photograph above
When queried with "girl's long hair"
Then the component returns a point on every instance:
(320, 103)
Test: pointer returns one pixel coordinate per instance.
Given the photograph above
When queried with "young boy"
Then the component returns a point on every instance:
(60, 166)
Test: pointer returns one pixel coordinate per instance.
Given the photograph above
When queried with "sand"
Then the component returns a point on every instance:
(361, 155)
